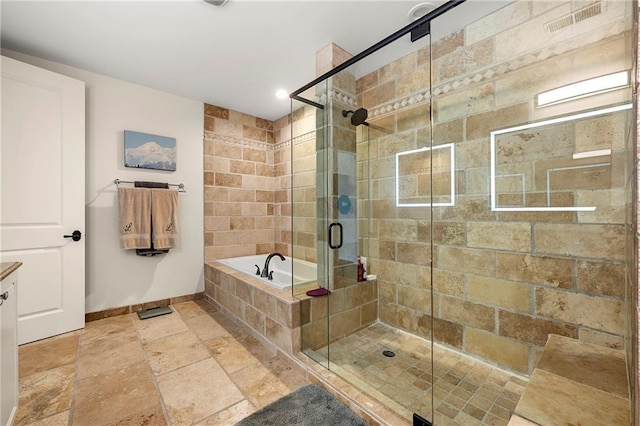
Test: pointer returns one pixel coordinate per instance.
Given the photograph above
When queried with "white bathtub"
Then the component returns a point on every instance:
(303, 271)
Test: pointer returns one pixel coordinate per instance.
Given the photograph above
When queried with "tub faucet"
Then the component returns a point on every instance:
(265, 271)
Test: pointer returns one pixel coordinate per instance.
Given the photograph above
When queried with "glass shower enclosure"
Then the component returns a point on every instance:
(465, 196)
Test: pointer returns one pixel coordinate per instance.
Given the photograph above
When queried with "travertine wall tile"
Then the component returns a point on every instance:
(481, 125)
(414, 298)
(497, 261)
(467, 313)
(600, 278)
(446, 45)
(475, 56)
(594, 312)
(499, 235)
(481, 262)
(446, 282)
(591, 241)
(508, 16)
(530, 329)
(457, 105)
(551, 271)
(599, 338)
(344, 323)
(504, 351)
(503, 293)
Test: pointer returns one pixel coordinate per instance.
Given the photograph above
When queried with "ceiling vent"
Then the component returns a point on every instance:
(594, 9)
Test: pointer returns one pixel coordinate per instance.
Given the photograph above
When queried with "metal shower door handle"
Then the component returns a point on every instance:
(331, 245)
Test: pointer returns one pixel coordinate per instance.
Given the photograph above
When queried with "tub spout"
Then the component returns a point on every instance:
(265, 270)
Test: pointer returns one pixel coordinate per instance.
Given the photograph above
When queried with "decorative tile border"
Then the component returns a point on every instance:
(494, 71)
(234, 140)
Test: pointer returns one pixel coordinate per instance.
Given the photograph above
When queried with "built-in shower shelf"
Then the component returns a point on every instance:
(576, 383)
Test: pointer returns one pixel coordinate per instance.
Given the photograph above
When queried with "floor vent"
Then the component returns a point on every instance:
(579, 15)
(154, 312)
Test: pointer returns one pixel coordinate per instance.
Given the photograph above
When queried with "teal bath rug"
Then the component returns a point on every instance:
(309, 405)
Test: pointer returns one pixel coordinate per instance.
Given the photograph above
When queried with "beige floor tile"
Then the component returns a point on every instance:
(259, 384)
(159, 327)
(229, 416)
(194, 308)
(112, 396)
(152, 416)
(106, 328)
(173, 352)
(44, 394)
(104, 354)
(207, 327)
(60, 419)
(230, 353)
(197, 391)
(291, 377)
(47, 354)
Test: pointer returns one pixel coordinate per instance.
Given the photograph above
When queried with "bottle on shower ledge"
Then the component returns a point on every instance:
(361, 269)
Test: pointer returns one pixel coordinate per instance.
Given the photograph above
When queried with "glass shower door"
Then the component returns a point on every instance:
(531, 247)
(381, 323)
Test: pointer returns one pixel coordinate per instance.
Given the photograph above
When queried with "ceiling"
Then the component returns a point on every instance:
(235, 56)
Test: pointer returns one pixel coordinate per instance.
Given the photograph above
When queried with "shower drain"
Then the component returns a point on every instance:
(388, 353)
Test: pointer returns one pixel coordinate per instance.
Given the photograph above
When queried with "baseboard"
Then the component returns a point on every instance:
(123, 310)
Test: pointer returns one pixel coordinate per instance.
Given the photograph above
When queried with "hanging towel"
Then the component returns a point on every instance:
(164, 210)
(134, 209)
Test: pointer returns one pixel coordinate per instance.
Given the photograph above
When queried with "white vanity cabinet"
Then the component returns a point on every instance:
(9, 342)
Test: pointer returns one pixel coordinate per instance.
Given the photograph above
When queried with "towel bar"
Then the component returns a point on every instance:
(180, 186)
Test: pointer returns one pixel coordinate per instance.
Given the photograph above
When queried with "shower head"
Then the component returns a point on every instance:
(359, 116)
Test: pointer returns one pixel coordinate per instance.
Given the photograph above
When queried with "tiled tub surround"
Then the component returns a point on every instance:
(272, 314)
(276, 317)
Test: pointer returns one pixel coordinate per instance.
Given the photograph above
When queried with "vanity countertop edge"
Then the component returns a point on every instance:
(7, 268)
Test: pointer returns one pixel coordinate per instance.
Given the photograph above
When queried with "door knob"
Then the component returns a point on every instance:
(75, 235)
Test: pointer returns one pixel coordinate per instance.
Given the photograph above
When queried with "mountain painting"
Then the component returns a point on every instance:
(145, 151)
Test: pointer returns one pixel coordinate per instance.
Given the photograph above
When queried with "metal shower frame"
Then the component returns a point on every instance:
(418, 29)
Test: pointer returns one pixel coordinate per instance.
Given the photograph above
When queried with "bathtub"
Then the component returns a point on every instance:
(303, 271)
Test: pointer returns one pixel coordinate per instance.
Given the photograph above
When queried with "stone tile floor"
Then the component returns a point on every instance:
(191, 367)
(466, 392)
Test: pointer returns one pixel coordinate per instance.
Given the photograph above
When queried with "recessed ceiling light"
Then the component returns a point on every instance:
(419, 10)
(281, 94)
(217, 2)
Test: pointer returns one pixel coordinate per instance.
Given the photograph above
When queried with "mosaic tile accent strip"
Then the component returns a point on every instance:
(216, 137)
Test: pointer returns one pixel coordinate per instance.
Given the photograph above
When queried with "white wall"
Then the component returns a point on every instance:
(115, 277)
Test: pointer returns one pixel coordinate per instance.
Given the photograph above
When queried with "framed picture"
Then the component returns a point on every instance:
(146, 151)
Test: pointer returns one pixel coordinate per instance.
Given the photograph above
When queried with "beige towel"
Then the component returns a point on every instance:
(164, 210)
(134, 206)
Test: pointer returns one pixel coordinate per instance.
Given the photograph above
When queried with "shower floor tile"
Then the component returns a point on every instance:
(466, 391)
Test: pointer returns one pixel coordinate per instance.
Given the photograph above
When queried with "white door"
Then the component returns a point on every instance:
(42, 198)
